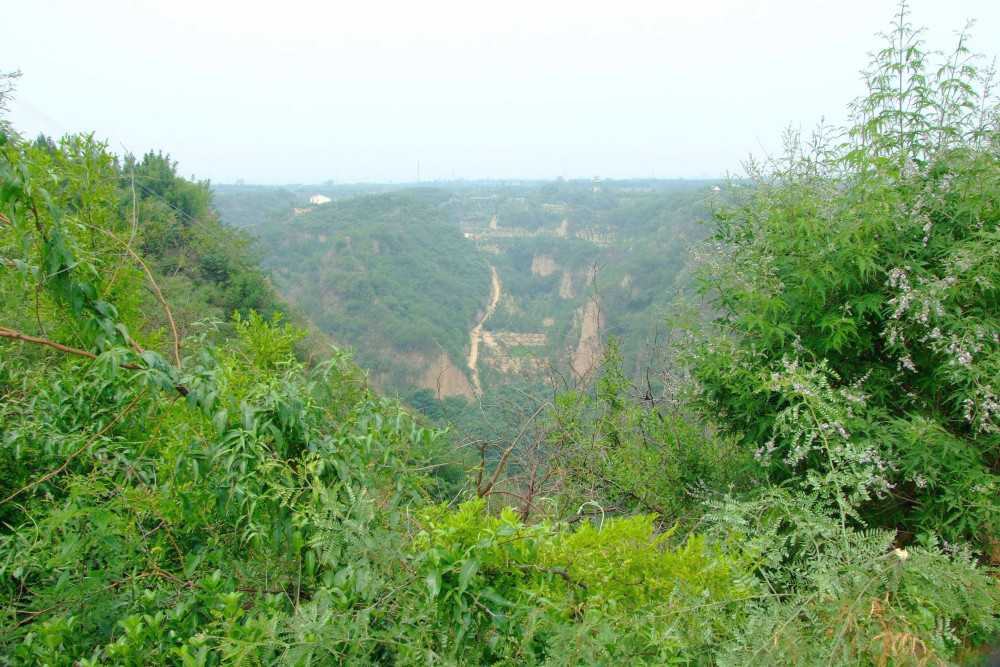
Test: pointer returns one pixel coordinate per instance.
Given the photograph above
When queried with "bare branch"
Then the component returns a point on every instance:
(503, 459)
(135, 226)
(16, 335)
(558, 571)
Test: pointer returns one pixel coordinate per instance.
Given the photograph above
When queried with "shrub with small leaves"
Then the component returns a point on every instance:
(857, 286)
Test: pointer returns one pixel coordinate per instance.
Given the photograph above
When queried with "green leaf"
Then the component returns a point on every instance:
(191, 563)
(63, 578)
(468, 570)
(434, 583)
(495, 598)
(219, 421)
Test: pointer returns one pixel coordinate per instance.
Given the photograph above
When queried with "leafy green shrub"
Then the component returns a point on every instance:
(858, 338)
(832, 594)
(512, 589)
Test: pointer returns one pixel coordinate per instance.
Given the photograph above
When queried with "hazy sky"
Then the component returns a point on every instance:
(294, 91)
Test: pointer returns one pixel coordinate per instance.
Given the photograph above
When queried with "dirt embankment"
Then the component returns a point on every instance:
(446, 380)
(588, 351)
(543, 265)
(476, 336)
(566, 286)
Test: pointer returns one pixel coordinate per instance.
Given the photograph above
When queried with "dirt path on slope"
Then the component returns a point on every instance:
(476, 335)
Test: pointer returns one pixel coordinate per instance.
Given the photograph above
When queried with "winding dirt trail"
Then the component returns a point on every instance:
(476, 335)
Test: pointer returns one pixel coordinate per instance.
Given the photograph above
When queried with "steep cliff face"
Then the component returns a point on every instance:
(446, 379)
(543, 265)
(566, 290)
(587, 356)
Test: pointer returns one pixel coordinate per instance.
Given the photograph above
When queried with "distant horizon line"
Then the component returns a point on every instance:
(443, 181)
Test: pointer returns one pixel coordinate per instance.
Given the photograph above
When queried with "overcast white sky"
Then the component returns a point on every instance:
(302, 92)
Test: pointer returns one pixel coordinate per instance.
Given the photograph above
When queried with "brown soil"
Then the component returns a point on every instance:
(588, 351)
(446, 380)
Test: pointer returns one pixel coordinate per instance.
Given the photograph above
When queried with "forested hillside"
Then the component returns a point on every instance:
(814, 483)
(244, 205)
(392, 276)
(386, 274)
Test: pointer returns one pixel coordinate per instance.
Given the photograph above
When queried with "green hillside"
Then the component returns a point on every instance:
(387, 274)
(403, 276)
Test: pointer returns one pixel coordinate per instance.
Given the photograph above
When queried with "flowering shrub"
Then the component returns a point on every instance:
(857, 283)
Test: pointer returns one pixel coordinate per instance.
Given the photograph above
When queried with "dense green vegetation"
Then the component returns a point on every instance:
(245, 205)
(142, 209)
(385, 274)
(815, 482)
(631, 235)
(859, 305)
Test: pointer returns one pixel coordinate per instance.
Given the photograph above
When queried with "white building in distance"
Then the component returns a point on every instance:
(319, 199)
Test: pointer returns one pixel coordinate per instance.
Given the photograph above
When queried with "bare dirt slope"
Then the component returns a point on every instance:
(588, 351)
(446, 379)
